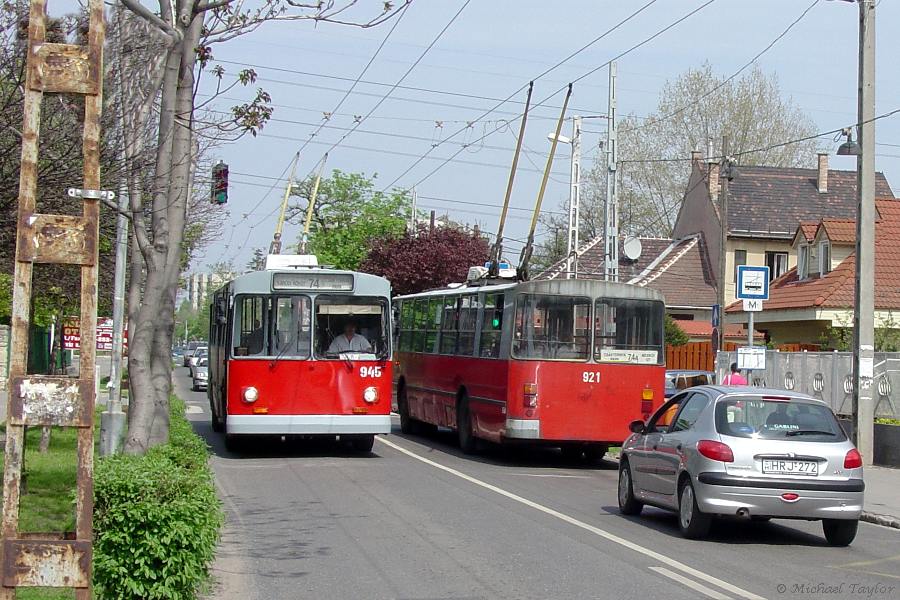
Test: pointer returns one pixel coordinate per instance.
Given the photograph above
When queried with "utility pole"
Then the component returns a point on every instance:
(112, 420)
(612, 200)
(864, 317)
(574, 200)
(723, 239)
(413, 218)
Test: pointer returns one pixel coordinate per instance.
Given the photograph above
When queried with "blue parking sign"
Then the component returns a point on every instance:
(752, 283)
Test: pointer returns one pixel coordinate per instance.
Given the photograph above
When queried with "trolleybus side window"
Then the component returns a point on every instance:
(291, 327)
(552, 327)
(468, 317)
(491, 327)
(629, 330)
(406, 324)
(252, 338)
(354, 324)
(433, 324)
(420, 315)
(450, 325)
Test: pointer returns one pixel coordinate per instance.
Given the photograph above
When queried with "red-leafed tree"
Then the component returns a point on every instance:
(429, 260)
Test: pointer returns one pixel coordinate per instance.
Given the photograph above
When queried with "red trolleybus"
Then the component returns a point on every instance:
(568, 363)
(301, 351)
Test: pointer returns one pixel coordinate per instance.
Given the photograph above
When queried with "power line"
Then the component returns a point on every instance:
(545, 72)
(358, 77)
(588, 73)
(403, 77)
(678, 111)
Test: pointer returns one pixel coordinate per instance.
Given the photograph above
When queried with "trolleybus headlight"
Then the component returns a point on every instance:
(251, 394)
(370, 395)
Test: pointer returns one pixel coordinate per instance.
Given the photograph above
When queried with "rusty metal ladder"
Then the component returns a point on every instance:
(51, 560)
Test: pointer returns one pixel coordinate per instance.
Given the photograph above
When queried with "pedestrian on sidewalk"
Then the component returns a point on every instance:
(735, 377)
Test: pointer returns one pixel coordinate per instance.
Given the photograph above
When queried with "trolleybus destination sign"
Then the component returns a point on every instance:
(331, 282)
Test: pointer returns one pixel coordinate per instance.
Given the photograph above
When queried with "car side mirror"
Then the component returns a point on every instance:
(636, 426)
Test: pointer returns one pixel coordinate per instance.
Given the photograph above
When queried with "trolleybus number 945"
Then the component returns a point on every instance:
(370, 371)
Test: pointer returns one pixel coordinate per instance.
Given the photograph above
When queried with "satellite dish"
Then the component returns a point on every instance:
(632, 248)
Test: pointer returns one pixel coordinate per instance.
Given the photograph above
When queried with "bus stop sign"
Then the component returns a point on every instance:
(753, 283)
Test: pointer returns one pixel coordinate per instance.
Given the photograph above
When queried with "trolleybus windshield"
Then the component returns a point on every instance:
(272, 326)
(628, 331)
(550, 327)
(351, 327)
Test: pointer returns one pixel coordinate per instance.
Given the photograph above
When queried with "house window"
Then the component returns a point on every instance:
(740, 259)
(777, 263)
(824, 258)
(803, 261)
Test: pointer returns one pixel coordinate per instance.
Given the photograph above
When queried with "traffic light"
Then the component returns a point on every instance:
(219, 183)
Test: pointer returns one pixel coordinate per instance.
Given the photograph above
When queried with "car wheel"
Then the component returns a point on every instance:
(467, 441)
(628, 504)
(693, 523)
(407, 425)
(572, 452)
(840, 532)
(363, 443)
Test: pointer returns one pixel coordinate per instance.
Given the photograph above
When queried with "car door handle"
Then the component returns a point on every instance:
(678, 447)
(655, 446)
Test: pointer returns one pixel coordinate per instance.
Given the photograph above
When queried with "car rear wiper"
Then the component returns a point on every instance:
(809, 432)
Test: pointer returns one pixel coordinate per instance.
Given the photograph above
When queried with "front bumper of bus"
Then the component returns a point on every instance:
(523, 429)
(308, 424)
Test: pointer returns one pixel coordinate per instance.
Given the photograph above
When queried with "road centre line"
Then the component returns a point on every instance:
(697, 587)
(581, 524)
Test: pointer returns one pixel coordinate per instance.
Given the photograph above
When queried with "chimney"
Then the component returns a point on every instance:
(713, 180)
(823, 172)
(696, 156)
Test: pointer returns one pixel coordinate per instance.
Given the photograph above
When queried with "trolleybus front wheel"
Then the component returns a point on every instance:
(467, 441)
(218, 423)
(363, 443)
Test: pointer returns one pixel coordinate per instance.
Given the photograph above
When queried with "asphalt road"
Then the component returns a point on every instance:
(417, 520)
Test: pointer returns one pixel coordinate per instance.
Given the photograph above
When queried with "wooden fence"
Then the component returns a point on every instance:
(698, 356)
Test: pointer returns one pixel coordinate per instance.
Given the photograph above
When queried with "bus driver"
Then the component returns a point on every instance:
(349, 341)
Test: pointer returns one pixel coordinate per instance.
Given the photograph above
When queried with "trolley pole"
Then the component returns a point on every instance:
(864, 317)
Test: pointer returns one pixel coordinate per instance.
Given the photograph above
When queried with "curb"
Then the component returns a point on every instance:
(883, 520)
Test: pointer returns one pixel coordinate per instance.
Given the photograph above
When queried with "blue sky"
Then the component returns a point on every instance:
(492, 49)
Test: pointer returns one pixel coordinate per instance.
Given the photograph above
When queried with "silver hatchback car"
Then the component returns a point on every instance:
(744, 452)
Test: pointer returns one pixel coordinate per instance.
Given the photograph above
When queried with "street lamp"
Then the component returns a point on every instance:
(848, 148)
(574, 193)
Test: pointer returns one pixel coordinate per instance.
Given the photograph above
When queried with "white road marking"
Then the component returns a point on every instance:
(697, 587)
(586, 526)
(551, 475)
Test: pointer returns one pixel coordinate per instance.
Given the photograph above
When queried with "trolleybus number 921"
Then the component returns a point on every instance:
(590, 377)
(370, 371)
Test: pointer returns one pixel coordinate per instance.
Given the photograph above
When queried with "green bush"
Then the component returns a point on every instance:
(156, 519)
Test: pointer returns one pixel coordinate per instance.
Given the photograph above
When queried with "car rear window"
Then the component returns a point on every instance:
(769, 419)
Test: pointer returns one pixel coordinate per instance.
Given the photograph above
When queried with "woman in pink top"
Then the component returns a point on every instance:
(735, 377)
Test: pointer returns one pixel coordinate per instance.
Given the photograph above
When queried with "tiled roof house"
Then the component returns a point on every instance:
(819, 292)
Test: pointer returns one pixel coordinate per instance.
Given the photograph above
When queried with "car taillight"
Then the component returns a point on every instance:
(853, 460)
(529, 398)
(715, 450)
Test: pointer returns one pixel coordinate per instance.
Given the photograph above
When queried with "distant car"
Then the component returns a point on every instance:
(677, 380)
(201, 352)
(189, 352)
(744, 452)
(200, 375)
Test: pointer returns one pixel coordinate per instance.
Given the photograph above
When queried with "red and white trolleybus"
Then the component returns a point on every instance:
(565, 362)
(301, 350)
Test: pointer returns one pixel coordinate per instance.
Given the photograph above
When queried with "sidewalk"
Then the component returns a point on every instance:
(882, 505)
